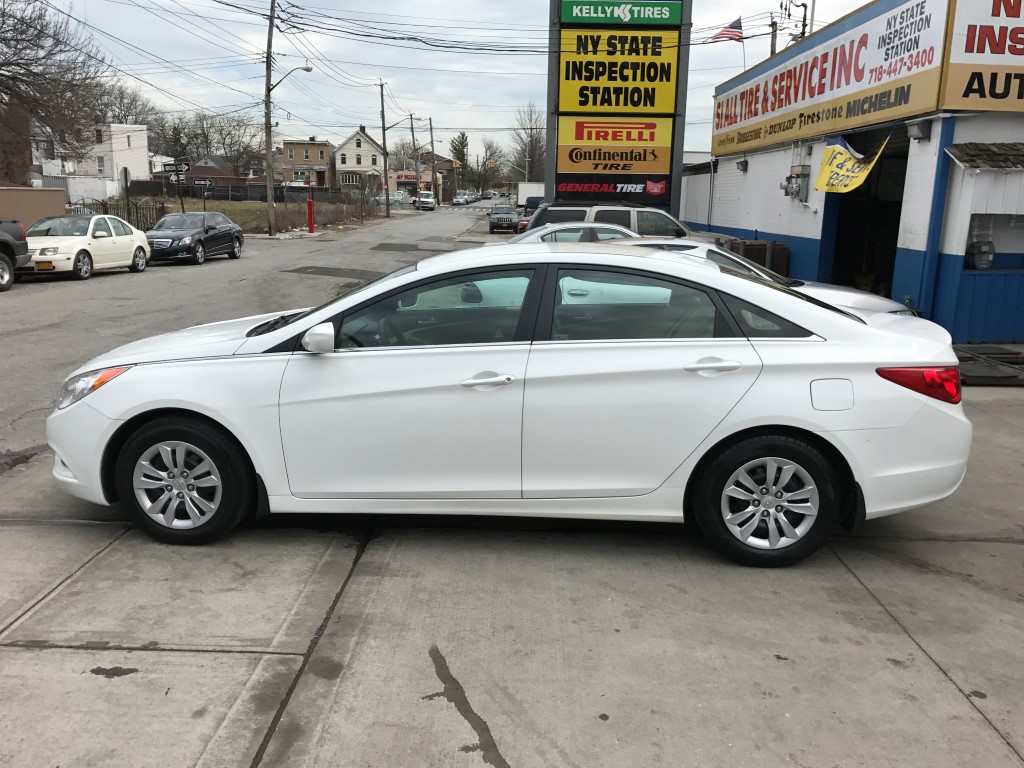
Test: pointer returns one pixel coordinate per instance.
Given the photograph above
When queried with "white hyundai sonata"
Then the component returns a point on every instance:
(541, 380)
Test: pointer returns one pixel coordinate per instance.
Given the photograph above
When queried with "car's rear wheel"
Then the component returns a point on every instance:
(767, 501)
(199, 255)
(185, 481)
(81, 268)
(139, 260)
(6, 273)
(236, 249)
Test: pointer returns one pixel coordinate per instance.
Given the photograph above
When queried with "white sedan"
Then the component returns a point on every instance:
(82, 245)
(539, 380)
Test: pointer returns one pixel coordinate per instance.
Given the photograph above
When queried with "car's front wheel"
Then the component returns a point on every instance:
(199, 255)
(184, 480)
(81, 267)
(6, 273)
(767, 501)
(236, 249)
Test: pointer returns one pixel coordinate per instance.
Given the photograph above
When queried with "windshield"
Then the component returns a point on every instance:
(180, 221)
(427, 195)
(60, 226)
(504, 210)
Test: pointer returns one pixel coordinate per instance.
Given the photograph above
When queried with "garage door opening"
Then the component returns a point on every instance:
(868, 219)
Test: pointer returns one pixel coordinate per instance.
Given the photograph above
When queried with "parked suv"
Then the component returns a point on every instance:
(426, 201)
(13, 251)
(647, 222)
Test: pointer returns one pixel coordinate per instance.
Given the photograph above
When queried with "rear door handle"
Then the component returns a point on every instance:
(505, 378)
(713, 365)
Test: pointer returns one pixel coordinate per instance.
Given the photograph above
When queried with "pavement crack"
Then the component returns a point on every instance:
(11, 459)
(455, 694)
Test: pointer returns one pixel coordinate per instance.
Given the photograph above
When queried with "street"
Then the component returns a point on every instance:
(454, 641)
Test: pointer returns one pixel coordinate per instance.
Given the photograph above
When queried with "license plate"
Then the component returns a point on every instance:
(44, 266)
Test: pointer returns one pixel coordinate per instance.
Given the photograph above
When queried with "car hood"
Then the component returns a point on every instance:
(200, 341)
(844, 296)
(35, 243)
(173, 234)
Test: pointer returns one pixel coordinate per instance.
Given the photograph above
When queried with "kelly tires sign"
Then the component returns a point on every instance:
(605, 71)
(881, 63)
(655, 12)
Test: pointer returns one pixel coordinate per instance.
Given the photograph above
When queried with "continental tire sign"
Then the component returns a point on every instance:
(615, 145)
(604, 71)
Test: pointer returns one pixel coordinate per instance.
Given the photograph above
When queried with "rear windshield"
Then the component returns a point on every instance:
(504, 209)
(790, 292)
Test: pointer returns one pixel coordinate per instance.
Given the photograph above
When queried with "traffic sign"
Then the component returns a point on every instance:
(179, 167)
(202, 182)
(176, 178)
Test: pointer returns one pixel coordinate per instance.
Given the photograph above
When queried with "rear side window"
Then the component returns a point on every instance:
(558, 215)
(120, 230)
(613, 216)
(656, 224)
(758, 323)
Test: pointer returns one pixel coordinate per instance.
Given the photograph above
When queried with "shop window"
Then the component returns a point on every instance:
(995, 241)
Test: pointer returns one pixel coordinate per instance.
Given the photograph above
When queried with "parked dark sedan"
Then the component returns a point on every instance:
(194, 236)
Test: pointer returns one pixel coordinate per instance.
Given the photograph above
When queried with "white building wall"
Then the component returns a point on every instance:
(695, 195)
(129, 148)
(754, 201)
(918, 190)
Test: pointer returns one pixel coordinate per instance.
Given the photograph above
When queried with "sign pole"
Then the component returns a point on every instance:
(554, 59)
(679, 137)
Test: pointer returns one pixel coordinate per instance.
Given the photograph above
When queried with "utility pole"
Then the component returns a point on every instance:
(433, 164)
(384, 146)
(775, 36)
(267, 137)
(416, 155)
(814, 3)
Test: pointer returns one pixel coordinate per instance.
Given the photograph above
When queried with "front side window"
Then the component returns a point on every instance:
(566, 235)
(472, 309)
(100, 225)
(656, 224)
(594, 305)
(120, 230)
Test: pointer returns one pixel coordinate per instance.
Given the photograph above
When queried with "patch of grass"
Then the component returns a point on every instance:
(251, 216)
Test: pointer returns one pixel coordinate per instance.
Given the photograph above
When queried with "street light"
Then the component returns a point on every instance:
(268, 139)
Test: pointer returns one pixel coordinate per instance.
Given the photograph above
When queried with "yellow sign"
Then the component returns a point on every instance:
(842, 169)
(984, 68)
(883, 63)
(604, 70)
(614, 145)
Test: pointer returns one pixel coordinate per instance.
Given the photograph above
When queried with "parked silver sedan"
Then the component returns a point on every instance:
(836, 295)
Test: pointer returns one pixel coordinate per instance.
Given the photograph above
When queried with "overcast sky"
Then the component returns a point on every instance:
(208, 53)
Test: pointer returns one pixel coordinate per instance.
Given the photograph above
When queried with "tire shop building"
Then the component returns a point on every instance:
(887, 152)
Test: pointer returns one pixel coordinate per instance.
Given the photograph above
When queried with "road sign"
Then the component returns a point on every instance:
(179, 167)
(176, 178)
(202, 182)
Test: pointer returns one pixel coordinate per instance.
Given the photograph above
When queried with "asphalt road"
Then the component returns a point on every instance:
(464, 642)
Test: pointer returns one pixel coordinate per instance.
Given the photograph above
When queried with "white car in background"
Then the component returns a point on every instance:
(572, 232)
(538, 380)
(82, 245)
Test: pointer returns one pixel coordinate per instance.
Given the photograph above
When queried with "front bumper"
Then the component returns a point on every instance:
(76, 435)
(46, 265)
(511, 226)
(171, 252)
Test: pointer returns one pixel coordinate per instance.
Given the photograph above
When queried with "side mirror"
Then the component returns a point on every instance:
(210, 228)
(97, 235)
(471, 293)
(319, 339)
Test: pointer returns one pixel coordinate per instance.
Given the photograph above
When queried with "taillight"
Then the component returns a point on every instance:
(941, 383)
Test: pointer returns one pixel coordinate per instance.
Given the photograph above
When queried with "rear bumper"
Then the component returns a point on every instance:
(911, 466)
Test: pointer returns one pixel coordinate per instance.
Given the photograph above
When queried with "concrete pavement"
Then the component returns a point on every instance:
(459, 642)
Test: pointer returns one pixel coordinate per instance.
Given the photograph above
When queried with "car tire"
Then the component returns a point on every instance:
(6, 273)
(224, 492)
(491, 230)
(747, 520)
(139, 260)
(81, 268)
(199, 256)
(236, 249)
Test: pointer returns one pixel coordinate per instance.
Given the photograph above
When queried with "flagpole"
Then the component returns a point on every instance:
(743, 42)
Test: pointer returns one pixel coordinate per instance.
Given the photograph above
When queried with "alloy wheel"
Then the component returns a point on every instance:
(177, 485)
(83, 266)
(200, 256)
(770, 503)
(140, 260)
(6, 276)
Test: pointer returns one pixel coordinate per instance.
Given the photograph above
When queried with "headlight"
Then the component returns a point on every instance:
(185, 240)
(48, 251)
(77, 387)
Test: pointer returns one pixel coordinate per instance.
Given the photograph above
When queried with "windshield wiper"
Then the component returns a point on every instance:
(791, 283)
(272, 325)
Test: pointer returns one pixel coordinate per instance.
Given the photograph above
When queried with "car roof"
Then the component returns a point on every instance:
(585, 224)
(543, 252)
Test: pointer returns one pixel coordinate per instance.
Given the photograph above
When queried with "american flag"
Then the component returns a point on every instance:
(732, 32)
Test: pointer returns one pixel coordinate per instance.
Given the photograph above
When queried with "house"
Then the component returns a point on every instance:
(117, 146)
(359, 161)
(309, 160)
(156, 162)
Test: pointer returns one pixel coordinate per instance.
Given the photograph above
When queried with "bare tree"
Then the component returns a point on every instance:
(401, 155)
(126, 105)
(529, 142)
(239, 138)
(52, 71)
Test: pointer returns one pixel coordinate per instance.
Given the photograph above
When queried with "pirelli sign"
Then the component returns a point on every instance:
(615, 145)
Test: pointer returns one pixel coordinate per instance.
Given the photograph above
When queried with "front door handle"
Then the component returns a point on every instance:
(713, 364)
(499, 380)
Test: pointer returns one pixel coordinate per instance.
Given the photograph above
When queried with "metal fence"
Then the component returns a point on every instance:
(141, 215)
